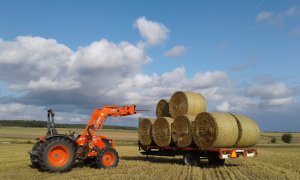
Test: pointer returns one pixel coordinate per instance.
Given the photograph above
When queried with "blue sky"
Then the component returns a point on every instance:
(242, 55)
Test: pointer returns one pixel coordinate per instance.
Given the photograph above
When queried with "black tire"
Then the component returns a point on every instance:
(191, 159)
(216, 161)
(57, 155)
(34, 154)
(107, 158)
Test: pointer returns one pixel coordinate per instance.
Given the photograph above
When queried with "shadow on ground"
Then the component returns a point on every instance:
(203, 162)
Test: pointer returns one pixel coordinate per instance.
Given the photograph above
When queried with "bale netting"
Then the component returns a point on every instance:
(182, 134)
(215, 130)
(248, 131)
(161, 131)
(186, 103)
(145, 131)
(162, 108)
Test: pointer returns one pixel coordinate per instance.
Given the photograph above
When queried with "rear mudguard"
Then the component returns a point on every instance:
(57, 135)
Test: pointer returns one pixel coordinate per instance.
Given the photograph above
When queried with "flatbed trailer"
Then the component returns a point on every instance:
(192, 155)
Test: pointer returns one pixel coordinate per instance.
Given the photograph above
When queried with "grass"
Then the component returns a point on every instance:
(277, 161)
(272, 163)
(265, 138)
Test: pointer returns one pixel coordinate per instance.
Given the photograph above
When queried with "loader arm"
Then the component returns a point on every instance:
(98, 118)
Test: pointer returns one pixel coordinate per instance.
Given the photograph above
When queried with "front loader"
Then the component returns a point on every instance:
(56, 152)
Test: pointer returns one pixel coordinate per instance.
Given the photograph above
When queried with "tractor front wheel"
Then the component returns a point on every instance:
(57, 155)
(107, 158)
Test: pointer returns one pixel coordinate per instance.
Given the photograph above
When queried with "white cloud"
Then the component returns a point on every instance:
(207, 79)
(226, 107)
(263, 16)
(277, 90)
(49, 74)
(175, 51)
(47, 84)
(280, 101)
(153, 32)
(25, 60)
(147, 89)
(293, 11)
(273, 18)
(11, 108)
(269, 18)
(277, 94)
(104, 73)
(105, 54)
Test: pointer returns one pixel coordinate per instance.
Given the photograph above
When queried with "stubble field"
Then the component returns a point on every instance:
(273, 162)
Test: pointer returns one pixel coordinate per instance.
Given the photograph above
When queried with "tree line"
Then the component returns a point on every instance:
(43, 124)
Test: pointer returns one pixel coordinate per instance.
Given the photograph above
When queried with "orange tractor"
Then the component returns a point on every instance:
(57, 152)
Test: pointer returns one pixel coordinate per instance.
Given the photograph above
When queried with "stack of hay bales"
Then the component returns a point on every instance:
(183, 121)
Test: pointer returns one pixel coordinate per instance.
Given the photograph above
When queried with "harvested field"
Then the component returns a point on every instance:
(33, 133)
(279, 161)
(272, 163)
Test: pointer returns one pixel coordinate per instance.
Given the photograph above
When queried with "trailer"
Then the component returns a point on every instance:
(192, 155)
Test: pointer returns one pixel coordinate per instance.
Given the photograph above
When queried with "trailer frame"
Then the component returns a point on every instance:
(192, 155)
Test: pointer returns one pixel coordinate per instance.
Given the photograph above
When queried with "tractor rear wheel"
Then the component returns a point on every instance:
(107, 158)
(57, 155)
(34, 154)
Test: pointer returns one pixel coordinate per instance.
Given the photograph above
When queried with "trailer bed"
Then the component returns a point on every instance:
(192, 155)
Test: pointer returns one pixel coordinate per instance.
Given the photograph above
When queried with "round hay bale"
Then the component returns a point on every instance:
(248, 131)
(215, 130)
(186, 103)
(161, 131)
(182, 134)
(145, 131)
(162, 108)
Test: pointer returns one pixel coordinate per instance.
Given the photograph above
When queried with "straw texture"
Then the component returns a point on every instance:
(182, 130)
(145, 131)
(161, 131)
(186, 103)
(162, 108)
(215, 130)
(248, 131)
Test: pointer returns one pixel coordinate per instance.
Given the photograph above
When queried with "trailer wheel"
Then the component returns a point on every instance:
(191, 159)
